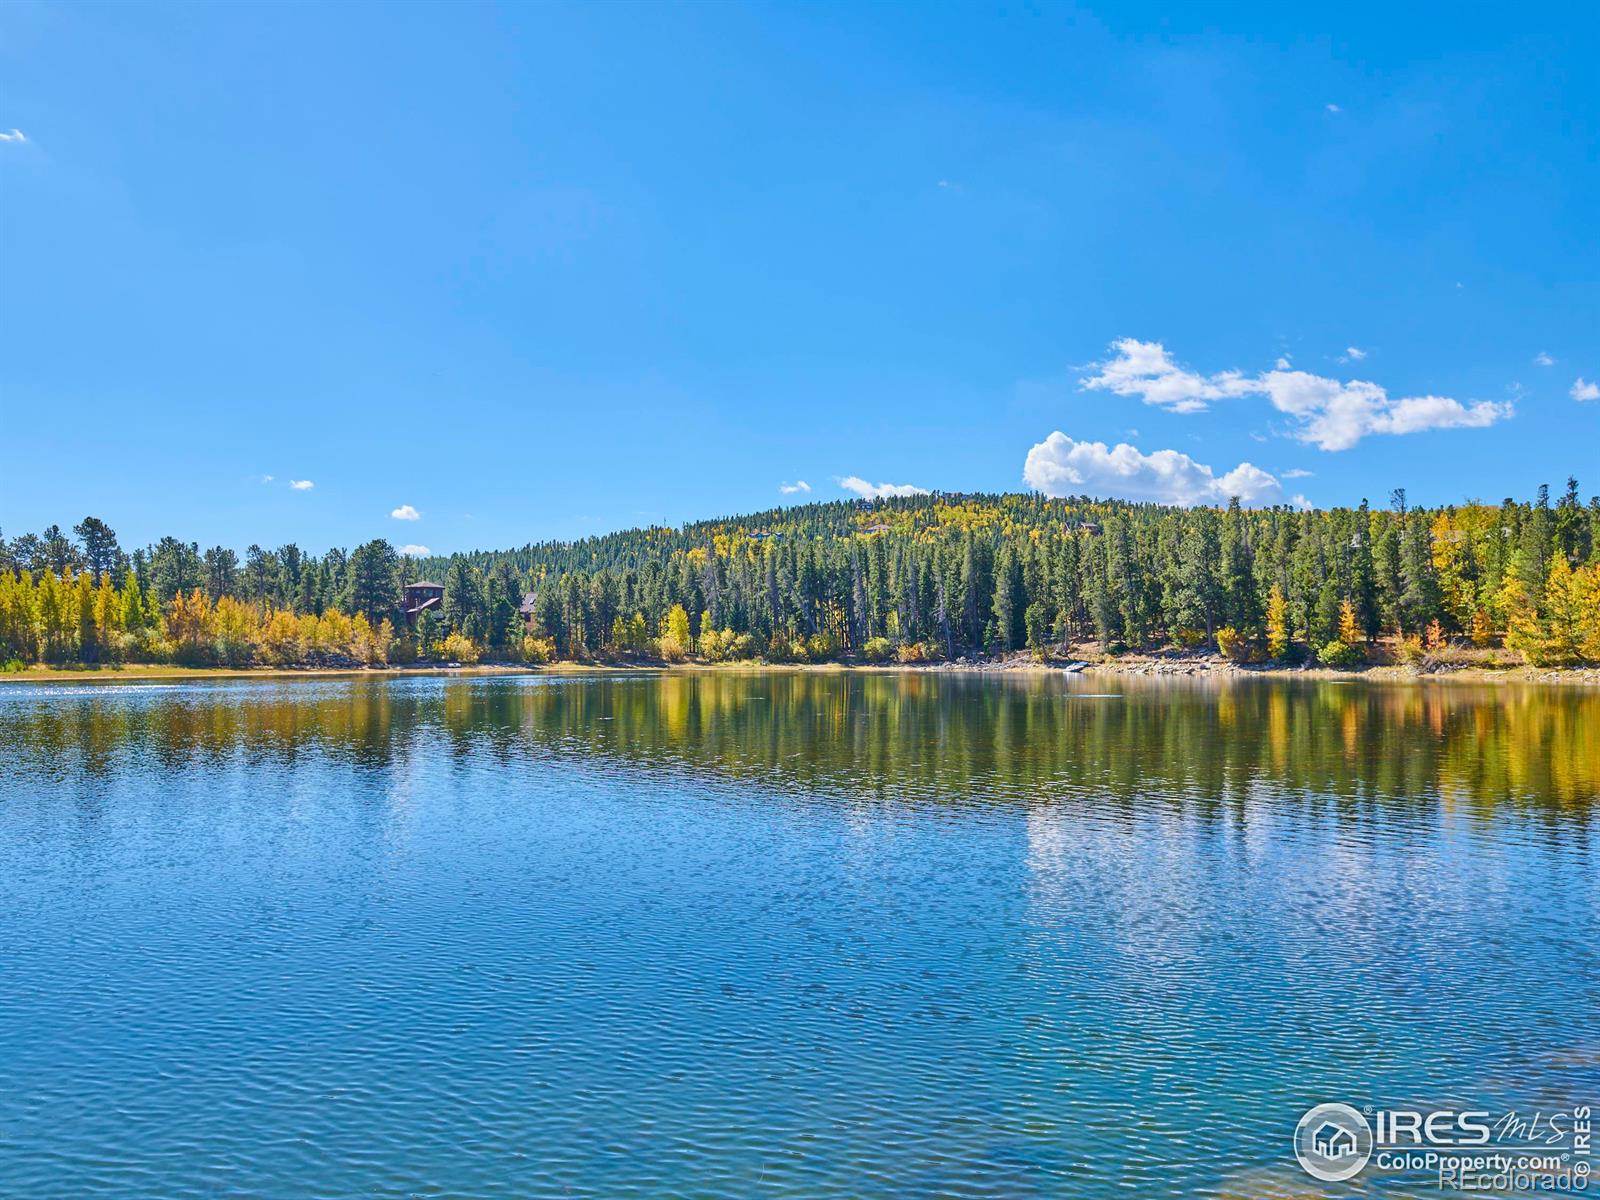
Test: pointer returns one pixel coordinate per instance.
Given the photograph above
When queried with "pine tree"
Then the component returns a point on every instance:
(372, 589)
(100, 549)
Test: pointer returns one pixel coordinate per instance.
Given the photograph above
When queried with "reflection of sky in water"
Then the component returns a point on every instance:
(788, 935)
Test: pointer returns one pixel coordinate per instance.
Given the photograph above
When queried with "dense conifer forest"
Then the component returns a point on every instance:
(908, 579)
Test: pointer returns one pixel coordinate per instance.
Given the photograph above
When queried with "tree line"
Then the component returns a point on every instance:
(911, 579)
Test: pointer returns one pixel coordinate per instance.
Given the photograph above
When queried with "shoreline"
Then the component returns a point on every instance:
(1146, 667)
(162, 671)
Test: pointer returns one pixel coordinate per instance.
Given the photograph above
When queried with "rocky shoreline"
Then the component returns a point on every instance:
(1215, 666)
(1138, 666)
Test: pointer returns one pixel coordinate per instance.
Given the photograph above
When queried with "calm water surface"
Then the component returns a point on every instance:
(776, 935)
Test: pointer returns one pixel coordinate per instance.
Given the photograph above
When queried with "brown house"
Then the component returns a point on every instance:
(420, 597)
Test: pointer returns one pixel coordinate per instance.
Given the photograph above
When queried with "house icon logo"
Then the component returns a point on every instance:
(1333, 1142)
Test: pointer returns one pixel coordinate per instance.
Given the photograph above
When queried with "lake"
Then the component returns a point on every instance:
(776, 934)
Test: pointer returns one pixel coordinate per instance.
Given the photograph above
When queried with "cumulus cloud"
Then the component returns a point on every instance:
(1543, 359)
(1146, 370)
(16, 135)
(1335, 416)
(876, 491)
(406, 513)
(266, 479)
(301, 485)
(412, 550)
(1353, 354)
(1060, 466)
(799, 485)
(1330, 414)
(1333, 108)
(1582, 389)
(1298, 473)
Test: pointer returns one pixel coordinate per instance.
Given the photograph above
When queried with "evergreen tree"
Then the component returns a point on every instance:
(372, 589)
(101, 554)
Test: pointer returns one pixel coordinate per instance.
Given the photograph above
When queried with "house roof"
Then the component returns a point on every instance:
(424, 583)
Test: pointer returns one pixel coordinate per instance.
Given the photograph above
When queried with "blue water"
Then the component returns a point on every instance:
(774, 935)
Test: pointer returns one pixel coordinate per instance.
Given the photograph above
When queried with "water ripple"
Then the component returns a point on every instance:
(778, 936)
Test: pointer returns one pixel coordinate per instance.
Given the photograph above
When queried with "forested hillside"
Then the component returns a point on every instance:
(913, 579)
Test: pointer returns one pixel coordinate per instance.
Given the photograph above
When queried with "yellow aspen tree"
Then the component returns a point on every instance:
(280, 638)
(313, 639)
(51, 606)
(674, 643)
(1482, 627)
(363, 640)
(133, 610)
(1561, 621)
(27, 600)
(1278, 624)
(1349, 630)
(107, 617)
(83, 606)
(460, 648)
(234, 631)
(382, 639)
(187, 623)
(8, 638)
(19, 634)
(1448, 551)
(1522, 629)
(678, 624)
(1586, 584)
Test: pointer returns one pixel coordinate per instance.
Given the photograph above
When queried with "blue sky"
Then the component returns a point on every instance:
(544, 271)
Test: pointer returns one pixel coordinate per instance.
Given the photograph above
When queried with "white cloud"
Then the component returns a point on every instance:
(1060, 466)
(1298, 473)
(1283, 363)
(1542, 359)
(1335, 416)
(1333, 108)
(406, 513)
(16, 135)
(799, 485)
(301, 485)
(1300, 502)
(412, 550)
(1353, 354)
(1331, 414)
(876, 491)
(1146, 370)
(1584, 390)
(266, 479)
